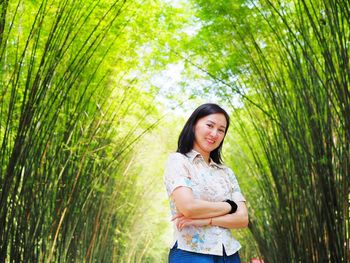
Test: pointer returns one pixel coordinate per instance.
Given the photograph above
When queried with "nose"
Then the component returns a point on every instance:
(214, 134)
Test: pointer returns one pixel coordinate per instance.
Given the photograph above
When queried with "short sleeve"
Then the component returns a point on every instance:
(236, 194)
(176, 173)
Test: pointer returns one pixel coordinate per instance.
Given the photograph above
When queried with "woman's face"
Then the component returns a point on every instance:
(209, 133)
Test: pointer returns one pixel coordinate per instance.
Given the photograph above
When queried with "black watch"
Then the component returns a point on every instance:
(233, 206)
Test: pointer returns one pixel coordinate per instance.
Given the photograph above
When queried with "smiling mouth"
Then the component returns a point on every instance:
(210, 141)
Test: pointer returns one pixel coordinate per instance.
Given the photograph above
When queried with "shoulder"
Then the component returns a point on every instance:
(176, 165)
(224, 167)
(228, 171)
(178, 160)
(176, 157)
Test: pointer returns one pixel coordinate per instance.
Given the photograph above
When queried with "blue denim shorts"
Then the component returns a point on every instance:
(181, 256)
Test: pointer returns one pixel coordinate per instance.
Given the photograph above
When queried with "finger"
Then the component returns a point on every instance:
(184, 224)
(176, 216)
(179, 223)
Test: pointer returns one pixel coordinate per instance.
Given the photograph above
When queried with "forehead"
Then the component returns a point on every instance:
(217, 118)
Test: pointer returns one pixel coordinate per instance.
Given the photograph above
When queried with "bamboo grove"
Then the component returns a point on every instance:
(307, 144)
(293, 77)
(72, 109)
(64, 146)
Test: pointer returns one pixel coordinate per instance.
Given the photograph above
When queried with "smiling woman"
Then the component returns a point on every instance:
(209, 133)
(205, 198)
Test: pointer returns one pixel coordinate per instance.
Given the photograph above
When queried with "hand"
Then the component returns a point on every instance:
(182, 221)
(176, 216)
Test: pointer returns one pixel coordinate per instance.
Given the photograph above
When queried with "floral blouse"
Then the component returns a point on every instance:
(211, 182)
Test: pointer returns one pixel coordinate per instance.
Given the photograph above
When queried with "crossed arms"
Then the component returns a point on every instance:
(196, 212)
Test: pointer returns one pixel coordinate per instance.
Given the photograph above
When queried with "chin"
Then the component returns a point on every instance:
(210, 149)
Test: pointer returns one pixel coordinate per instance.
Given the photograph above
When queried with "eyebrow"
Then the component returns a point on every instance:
(215, 123)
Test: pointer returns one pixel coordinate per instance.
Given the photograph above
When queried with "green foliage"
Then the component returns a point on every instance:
(67, 130)
(288, 62)
(79, 86)
(148, 230)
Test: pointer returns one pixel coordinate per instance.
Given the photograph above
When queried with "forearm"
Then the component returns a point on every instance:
(192, 207)
(239, 219)
(197, 208)
(231, 221)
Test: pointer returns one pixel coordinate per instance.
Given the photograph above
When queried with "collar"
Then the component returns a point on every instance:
(193, 154)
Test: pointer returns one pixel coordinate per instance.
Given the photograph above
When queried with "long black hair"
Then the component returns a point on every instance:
(186, 138)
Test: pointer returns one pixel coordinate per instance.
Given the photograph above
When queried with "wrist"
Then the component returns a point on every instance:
(233, 206)
(228, 207)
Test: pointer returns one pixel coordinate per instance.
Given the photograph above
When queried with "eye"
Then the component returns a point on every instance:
(222, 131)
(210, 125)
